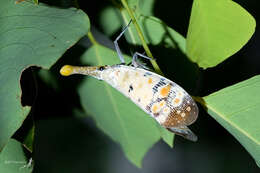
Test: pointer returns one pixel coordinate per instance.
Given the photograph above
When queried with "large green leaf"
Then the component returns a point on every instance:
(30, 35)
(116, 115)
(237, 109)
(13, 159)
(217, 30)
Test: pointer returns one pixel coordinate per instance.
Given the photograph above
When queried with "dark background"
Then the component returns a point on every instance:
(68, 143)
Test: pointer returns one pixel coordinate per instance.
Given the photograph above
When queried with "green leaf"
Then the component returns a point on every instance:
(116, 115)
(217, 30)
(13, 159)
(237, 109)
(155, 31)
(29, 139)
(146, 7)
(111, 20)
(167, 137)
(106, 17)
(30, 35)
(142, 7)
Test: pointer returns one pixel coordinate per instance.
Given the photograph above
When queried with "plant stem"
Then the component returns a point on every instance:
(91, 38)
(145, 46)
(199, 100)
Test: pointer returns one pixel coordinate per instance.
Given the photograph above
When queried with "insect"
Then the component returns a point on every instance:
(165, 101)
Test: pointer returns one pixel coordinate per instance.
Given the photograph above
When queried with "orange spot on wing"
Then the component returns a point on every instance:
(162, 103)
(154, 108)
(176, 101)
(150, 81)
(165, 91)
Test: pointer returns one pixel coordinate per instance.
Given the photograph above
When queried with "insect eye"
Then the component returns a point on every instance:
(101, 68)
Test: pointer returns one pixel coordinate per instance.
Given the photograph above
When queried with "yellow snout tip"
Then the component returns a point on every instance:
(66, 70)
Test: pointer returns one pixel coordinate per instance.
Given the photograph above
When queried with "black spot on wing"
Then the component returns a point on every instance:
(159, 84)
(147, 74)
(130, 88)
(148, 108)
(156, 114)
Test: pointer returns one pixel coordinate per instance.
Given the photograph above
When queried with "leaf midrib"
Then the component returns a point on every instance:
(232, 124)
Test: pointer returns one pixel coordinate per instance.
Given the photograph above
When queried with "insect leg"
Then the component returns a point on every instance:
(117, 46)
(135, 63)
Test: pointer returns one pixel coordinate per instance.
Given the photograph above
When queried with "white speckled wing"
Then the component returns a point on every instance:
(161, 98)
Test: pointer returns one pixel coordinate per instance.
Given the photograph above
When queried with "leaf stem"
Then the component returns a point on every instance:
(145, 46)
(200, 100)
(91, 38)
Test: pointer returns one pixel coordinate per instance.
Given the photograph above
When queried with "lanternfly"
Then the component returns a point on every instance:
(170, 105)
